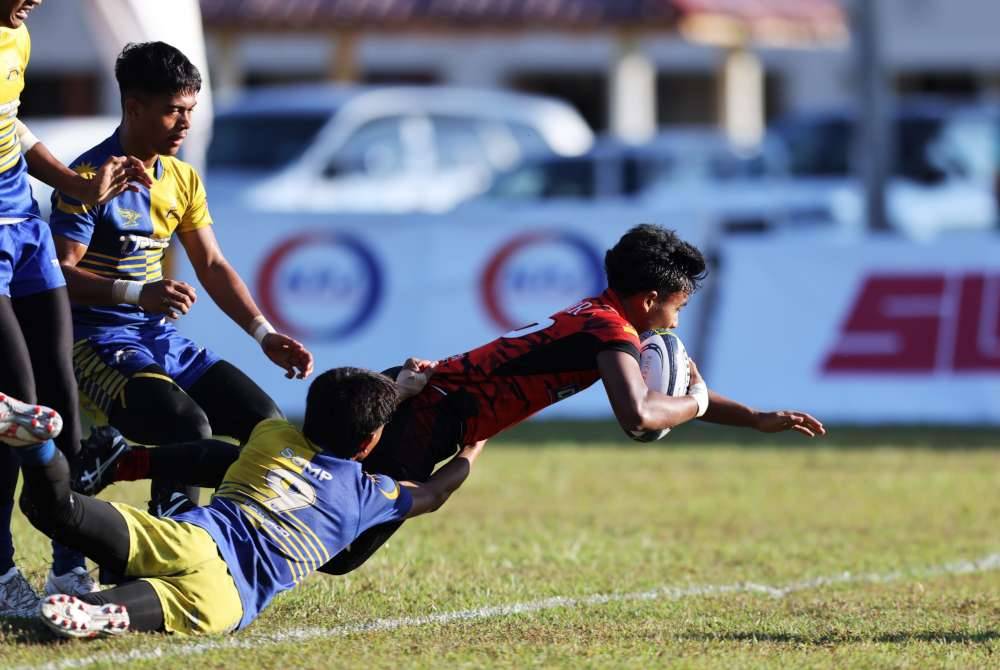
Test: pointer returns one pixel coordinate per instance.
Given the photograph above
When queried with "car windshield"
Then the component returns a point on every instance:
(261, 141)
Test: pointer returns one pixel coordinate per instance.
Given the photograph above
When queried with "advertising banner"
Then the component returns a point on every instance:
(371, 291)
(876, 330)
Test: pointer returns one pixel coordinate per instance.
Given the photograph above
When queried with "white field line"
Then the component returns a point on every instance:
(255, 641)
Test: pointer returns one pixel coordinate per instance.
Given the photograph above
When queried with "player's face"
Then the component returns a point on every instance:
(14, 12)
(667, 313)
(162, 121)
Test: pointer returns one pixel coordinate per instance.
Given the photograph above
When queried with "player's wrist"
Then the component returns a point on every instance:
(260, 328)
(699, 392)
(128, 292)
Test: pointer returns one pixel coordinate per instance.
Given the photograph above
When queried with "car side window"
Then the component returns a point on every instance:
(459, 143)
(374, 149)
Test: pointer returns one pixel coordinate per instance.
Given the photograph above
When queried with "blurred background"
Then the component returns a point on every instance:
(413, 177)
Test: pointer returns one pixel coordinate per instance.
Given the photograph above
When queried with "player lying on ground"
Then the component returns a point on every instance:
(127, 353)
(651, 275)
(291, 500)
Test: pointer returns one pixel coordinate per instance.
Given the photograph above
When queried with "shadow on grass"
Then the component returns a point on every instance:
(27, 631)
(952, 637)
(582, 433)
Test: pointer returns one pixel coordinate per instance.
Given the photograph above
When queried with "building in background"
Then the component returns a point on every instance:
(944, 47)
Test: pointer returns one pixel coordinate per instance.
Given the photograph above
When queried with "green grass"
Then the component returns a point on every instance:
(559, 510)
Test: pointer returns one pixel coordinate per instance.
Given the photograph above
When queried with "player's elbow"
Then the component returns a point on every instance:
(632, 418)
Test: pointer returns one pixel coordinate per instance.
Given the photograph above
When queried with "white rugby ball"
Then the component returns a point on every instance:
(663, 361)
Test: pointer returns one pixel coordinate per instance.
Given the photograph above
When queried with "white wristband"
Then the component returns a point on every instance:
(410, 383)
(260, 328)
(124, 291)
(700, 394)
(25, 136)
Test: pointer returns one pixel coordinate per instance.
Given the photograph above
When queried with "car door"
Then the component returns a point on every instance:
(383, 165)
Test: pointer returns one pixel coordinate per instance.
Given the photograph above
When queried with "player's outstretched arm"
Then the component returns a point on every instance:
(227, 289)
(117, 175)
(723, 410)
(430, 495)
(637, 408)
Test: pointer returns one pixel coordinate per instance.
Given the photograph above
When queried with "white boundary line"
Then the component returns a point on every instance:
(963, 567)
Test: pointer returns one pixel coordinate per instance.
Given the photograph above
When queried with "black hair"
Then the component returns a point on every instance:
(155, 68)
(346, 405)
(652, 258)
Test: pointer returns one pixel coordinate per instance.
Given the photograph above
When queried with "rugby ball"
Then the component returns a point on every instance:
(663, 361)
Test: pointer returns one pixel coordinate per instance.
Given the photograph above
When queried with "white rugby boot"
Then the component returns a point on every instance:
(24, 425)
(68, 616)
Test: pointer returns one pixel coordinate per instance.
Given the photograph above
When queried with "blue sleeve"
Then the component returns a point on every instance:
(72, 219)
(382, 500)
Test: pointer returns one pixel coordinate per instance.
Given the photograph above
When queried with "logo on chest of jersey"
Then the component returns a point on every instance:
(130, 217)
(13, 74)
(538, 273)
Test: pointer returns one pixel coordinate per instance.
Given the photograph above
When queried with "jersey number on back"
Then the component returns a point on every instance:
(290, 490)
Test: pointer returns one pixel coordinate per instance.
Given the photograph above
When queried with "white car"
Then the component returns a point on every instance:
(379, 149)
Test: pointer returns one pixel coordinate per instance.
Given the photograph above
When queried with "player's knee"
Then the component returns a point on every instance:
(191, 423)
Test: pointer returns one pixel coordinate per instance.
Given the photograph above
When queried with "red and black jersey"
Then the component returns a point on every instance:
(475, 395)
(528, 369)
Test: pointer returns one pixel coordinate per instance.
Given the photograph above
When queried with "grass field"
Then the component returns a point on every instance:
(672, 534)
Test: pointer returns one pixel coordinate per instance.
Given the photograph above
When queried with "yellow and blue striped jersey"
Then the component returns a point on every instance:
(286, 507)
(16, 200)
(176, 202)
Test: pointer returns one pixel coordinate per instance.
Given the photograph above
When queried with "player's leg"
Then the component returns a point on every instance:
(234, 403)
(110, 459)
(133, 606)
(17, 597)
(48, 330)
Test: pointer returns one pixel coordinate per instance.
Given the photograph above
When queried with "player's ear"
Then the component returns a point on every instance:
(368, 444)
(649, 300)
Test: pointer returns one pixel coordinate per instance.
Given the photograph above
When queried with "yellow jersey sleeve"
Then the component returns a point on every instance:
(196, 213)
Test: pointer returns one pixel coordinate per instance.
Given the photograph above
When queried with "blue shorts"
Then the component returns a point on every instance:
(104, 359)
(28, 261)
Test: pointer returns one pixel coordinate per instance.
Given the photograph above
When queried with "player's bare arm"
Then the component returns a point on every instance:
(636, 407)
(166, 296)
(117, 175)
(728, 412)
(430, 495)
(227, 289)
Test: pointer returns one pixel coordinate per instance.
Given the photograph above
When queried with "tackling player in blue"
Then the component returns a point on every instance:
(35, 325)
(292, 500)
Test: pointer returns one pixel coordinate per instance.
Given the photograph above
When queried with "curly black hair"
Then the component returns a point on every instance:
(652, 258)
(346, 405)
(155, 68)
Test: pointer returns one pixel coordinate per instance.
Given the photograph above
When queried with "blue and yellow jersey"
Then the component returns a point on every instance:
(176, 202)
(285, 508)
(16, 200)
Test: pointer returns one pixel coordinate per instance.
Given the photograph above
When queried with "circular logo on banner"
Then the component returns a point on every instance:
(539, 273)
(320, 285)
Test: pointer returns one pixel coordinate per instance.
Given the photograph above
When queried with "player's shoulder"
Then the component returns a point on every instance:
(87, 163)
(602, 315)
(182, 171)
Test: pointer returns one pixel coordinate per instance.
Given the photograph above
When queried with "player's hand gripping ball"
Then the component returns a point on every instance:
(663, 361)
